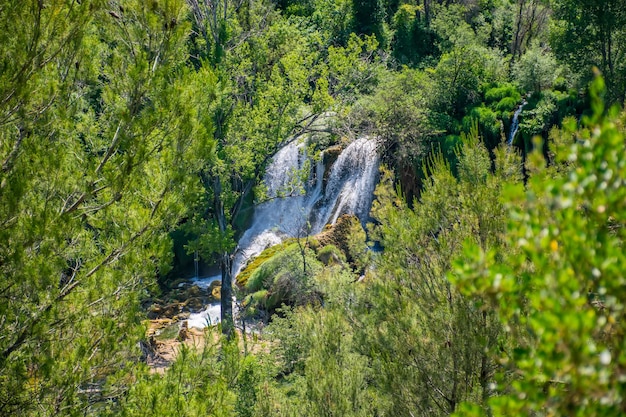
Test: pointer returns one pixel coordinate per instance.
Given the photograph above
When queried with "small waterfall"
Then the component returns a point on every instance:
(515, 123)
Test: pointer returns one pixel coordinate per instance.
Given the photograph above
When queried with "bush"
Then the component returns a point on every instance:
(506, 105)
(488, 125)
(497, 94)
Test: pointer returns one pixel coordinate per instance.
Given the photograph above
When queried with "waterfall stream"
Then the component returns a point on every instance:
(296, 207)
(515, 123)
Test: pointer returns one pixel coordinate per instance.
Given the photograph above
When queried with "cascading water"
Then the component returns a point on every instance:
(289, 212)
(281, 217)
(515, 123)
(350, 186)
(349, 189)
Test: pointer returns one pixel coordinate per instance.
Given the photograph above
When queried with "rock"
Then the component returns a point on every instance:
(216, 293)
(171, 310)
(330, 156)
(183, 333)
(154, 312)
(194, 304)
(179, 283)
(182, 316)
(193, 291)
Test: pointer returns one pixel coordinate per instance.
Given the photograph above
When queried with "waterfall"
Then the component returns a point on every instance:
(295, 208)
(349, 189)
(350, 186)
(515, 123)
(286, 211)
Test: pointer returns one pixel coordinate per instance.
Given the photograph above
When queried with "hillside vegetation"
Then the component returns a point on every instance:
(133, 133)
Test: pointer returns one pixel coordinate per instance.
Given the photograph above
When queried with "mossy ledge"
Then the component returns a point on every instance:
(246, 272)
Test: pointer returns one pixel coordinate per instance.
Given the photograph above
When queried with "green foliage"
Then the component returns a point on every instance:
(399, 114)
(323, 373)
(369, 19)
(536, 70)
(464, 67)
(412, 39)
(538, 118)
(192, 386)
(506, 105)
(429, 344)
(247, 387)
(101, 132)
(502, 91)
(334, 19)
(489, 125)
(330, 254)
(592, 33)
(353, 70)
(122, 122)
(561, 294)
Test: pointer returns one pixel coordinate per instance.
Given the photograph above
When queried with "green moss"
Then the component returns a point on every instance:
(246, 272)
(495, 95)
(330, 254)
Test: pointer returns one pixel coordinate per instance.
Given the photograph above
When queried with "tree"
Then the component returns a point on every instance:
(531, 20)
(412, 38)
(427, 342)
(590, 33)
(399, 115)
(99, 137)
(561, 294)
(465, 64)
(369, 18)
(536, 70)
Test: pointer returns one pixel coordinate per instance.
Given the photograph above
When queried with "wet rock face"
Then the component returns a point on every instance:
(330, 156)
(164, 311)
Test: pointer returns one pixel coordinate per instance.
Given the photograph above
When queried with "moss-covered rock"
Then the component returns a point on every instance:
(278, 276)
(347, 235)
(244, 275)
(216, 293)
(331, 255)
(330, 156)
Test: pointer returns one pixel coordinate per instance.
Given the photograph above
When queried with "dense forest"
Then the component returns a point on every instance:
(488, 279)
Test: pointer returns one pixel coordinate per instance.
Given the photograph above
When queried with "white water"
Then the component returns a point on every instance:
(281, 217)
(289, 213)
(350, 189)
(211, 315)
(350, 186)
(515, 123)
(205, 283)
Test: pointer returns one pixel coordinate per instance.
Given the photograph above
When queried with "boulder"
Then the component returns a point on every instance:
(194, 304)
(340, 233)
(216, 293)
(183, 333)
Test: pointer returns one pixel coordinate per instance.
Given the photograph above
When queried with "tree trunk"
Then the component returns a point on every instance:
(228, 325)
(226, 302)
(515, 46)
